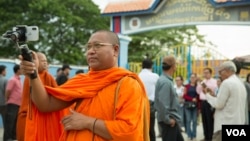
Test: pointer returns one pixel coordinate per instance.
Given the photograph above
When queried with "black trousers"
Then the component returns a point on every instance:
(2, 112)
(169, 133)
(207, 113)
(10, 122)
(152, 122)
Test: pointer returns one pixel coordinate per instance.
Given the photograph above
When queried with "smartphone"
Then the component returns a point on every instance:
(32, 33)
(203, 85)
(26, 33)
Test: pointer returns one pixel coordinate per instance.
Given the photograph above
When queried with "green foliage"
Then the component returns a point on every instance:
(64, 26)
(151, 43)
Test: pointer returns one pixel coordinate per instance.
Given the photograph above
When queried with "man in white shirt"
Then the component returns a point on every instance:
(230, 102)
(149, 80)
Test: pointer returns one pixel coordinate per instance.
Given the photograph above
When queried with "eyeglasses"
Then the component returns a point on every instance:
(97, 46)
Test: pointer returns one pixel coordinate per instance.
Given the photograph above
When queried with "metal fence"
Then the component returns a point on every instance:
(189, 60)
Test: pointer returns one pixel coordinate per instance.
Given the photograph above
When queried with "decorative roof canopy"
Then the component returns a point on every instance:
(131, 7)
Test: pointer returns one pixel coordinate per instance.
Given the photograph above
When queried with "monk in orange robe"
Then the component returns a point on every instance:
(97, 116)
(33, 125)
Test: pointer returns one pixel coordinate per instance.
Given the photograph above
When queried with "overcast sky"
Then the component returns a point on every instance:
(231, 41)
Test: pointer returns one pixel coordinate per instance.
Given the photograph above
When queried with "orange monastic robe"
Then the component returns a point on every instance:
(33, 125)
(97, 89)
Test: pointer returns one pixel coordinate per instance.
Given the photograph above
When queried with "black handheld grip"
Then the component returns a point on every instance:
(27, 56)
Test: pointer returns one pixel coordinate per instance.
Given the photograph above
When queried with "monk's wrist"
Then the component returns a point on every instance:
(91, 123)
(93, 126)
(33, 75)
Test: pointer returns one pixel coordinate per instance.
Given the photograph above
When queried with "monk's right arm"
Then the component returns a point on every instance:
(44, 101)
(40, 97)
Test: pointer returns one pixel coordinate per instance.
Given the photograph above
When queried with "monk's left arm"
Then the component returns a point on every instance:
(128, 123)
(98, 127)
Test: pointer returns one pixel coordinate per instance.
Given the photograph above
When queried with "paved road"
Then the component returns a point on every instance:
(1, 134)
(199, 133)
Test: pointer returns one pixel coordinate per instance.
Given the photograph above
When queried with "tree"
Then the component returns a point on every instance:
(64, 27)
(152, 42)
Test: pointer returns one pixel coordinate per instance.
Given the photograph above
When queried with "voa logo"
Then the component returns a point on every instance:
(236, 132)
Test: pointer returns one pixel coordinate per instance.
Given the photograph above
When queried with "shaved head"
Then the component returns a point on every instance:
(105, 56)
(43, 65)
(111, 36)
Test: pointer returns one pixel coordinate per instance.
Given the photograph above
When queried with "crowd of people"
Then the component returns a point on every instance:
(111, 103)
(212, 99)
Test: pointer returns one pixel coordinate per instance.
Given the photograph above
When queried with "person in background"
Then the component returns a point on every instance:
(79, 71)
(179, 88)
(230, 102)
(166, 102)
(241, 64)
(63, 77)
(3, 84)
(58, 72)
(13, 95)
(219, 81)
(248, 78)
(247, 84)
(191, 107)
(198, 82)
(149, 80)
(207, 111)
(30, 120)
(102, 111)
